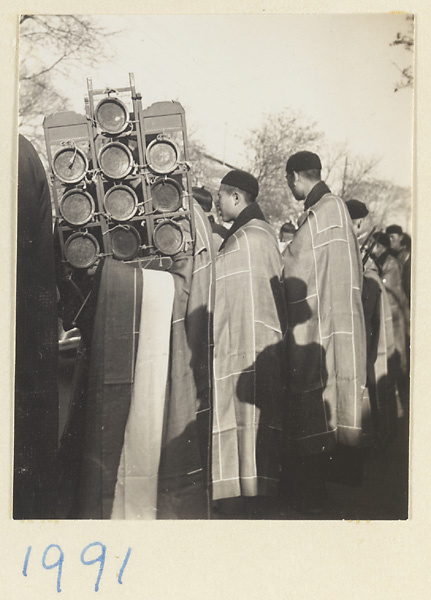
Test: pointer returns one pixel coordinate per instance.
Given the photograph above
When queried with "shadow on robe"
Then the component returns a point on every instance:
(94, 433)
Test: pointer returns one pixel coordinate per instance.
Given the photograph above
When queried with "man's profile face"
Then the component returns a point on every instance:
(395, 239)
(293, 186)
(226, 203)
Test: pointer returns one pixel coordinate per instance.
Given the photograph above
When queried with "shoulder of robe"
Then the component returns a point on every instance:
(259, 232)
(329, 213)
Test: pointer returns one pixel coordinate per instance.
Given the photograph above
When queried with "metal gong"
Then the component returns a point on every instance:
(77, 207)
(69, 164)
(168, 237)
(162, 156)
(125, 242)
(115, 160)
(121, 202)
(166, 194)
(81, 250)
(112, 115)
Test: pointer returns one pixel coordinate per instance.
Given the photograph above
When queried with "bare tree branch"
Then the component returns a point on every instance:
(67, 41)
(405, 40)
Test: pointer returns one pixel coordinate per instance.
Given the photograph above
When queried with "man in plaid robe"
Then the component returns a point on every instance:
(248, 354)
(325, 344)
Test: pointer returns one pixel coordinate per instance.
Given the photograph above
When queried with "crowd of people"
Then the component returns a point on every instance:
(254, 368)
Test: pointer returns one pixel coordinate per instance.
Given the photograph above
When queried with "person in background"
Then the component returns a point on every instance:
(401, 245)
(287, 231)
(359, 222)
(390, 271)
(325, 344)
(380, 344)
(396, 236)
(36, 380)
(406, 244)
(249, 324)
(406, 278)
(205, 199)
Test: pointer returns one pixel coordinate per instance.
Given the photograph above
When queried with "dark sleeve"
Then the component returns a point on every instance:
(36, 387)
(36, 295)
(371, 294)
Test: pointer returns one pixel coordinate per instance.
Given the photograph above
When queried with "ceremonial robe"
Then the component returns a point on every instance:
(248, 360)
(92, 445)
(325, 344)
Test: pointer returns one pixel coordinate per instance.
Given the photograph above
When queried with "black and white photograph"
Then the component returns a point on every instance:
(213, 267)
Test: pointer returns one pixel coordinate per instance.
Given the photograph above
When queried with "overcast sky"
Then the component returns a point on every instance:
(229, 71)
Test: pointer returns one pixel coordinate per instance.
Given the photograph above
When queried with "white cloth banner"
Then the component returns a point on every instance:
(137, 478)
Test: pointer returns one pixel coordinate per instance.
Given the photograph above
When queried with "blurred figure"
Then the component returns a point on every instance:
(380, 344)
(406, 277)
(396, 236)
(287, 231)
(390, 271)
(360, 221)
(205, 199)
(401, 249)
(36, 384)
(406, 245)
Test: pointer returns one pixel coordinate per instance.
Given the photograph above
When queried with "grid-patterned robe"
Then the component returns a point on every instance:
(248, 363)
(325, 344)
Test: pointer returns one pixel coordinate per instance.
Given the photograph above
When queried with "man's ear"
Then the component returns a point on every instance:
(296, 176)
(236, 197)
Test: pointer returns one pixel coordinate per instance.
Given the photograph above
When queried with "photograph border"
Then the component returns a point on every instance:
(297, 559)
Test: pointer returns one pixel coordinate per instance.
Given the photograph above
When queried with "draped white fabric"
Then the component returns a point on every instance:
(137, 479)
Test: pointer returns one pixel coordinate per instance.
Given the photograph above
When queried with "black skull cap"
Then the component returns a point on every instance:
(243, 181)
(303, 161)
(357, 209)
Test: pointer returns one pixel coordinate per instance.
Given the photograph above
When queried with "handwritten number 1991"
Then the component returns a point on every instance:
(53, 557)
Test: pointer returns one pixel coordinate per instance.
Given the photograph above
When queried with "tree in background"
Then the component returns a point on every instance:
(405, 40)
(197, 153)
(353, 176)
(387, 202)
(50, 46)
(269, 146)
(281, 135)
(344, 171)
(348, 175)
(207, 170)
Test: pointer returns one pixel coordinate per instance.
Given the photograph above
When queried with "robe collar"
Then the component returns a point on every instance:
(252, 211)
(319, 190)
